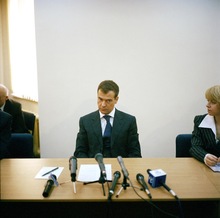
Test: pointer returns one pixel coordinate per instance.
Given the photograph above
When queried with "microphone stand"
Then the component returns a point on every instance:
(124, 185)
(101, 180)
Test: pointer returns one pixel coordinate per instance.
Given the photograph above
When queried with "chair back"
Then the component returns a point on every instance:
(183, 144)
(29, 119)
(21, 145)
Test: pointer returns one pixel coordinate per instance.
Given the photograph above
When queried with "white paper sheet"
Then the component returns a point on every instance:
(43, 170)
(216, 168)
(91, 172)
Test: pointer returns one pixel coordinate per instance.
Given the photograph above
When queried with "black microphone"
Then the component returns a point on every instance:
(140, 179)
(72, 168)
(49, 185)
(124, 170)
(117, 176)
(169, 189)
(99, 159)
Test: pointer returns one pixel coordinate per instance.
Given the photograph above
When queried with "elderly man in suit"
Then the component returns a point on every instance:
(14, 108)
(5, 133)
(121, 138)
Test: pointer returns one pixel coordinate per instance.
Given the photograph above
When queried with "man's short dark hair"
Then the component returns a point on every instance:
(108, 85)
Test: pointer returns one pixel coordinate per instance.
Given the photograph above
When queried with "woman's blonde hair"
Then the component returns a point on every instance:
(213, 94)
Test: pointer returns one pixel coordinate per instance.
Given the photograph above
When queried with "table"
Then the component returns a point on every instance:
(191, 180)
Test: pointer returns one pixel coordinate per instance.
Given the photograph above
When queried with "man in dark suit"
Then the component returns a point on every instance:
(123, 137)
(14, 108)
(5, 133)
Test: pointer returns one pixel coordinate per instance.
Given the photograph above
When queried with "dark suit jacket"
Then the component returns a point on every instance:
(18, 124)
(5, 133)
(124, 138)
(203, 141)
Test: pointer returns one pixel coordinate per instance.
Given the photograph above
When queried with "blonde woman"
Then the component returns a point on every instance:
(206, 133)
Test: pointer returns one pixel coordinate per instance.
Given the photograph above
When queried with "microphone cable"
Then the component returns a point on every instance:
(151, 202)
(174, 194)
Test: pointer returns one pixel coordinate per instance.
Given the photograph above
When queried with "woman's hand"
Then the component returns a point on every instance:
(211, 160)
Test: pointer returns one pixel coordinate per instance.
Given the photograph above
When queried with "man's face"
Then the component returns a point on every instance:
(106, 102)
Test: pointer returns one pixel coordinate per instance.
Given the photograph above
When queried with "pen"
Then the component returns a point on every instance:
(50, 171)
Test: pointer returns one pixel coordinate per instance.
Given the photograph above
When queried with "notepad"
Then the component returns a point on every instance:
(215, 168)
(47, 169)
(91, 172)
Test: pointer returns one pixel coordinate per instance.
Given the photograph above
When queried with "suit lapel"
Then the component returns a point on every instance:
(7, 107)
(96, 125)
(117, 125)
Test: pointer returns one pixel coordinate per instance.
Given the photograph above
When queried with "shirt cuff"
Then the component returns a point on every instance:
(205, 159)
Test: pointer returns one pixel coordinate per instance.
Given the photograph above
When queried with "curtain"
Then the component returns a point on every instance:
(22, 46)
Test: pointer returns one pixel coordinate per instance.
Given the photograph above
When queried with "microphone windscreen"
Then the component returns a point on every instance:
(73, 168)
(139, 176)
(121, 163)
(99, 157)
(117, 174)
(48, 188)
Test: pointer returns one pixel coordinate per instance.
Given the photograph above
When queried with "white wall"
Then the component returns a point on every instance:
(163, 55)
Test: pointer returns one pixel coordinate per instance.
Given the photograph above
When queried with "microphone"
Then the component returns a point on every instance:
(117, 176)
(124, 170)
(169, 190)
(49, 185)
(72, 168)
(99, 159)
(141, 181)
(157, 178)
